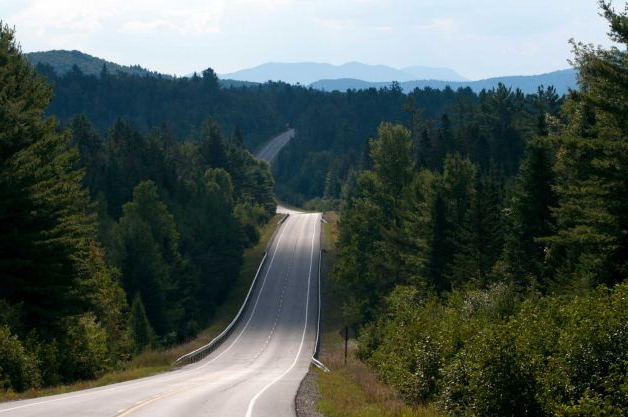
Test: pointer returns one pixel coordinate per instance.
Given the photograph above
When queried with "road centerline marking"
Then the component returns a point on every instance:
(249, 411)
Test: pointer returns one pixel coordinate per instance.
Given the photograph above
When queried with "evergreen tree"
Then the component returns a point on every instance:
(480, 238)
(146, 251)
(391, 159)
(456, 197)
(212, 145)
(50, 261)
(591, 243)
(141, 330)
(529, 215)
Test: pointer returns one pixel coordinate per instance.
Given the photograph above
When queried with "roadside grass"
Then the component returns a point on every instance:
(156, 361)
(351, 390)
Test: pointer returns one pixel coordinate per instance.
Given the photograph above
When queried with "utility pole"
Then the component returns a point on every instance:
(346, 342)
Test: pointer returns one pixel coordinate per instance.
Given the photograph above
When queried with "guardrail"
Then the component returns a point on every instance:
(205, 350)
(317, 346)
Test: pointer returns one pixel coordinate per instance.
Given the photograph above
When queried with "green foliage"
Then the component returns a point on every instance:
(483, 353)
(51, 264)
(18, 368)
(179, 242)
(84, 348)
(141, 330)
(147, 253)
(526, 329)
(591, 245)
(391, 157)
(181, 104)
(529, 216)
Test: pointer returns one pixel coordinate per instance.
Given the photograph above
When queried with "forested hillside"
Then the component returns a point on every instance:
(490, 287)
(111, 244)
(331, 127)
(330, 146)
(179, 105)
(483, 239)
(63, 62)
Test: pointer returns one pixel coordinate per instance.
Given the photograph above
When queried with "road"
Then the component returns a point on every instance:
(270, 151)
(255, 372)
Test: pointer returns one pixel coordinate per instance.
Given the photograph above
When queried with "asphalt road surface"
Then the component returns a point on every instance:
(270, 151)
(255, 372)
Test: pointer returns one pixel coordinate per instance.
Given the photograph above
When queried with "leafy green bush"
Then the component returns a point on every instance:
(489, 377)
(85, 348)
(18, 369)
(482, 353)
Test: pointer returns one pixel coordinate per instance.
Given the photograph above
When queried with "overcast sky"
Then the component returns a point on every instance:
(477, 38)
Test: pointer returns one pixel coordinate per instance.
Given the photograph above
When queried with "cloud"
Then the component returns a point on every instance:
(88, 17)
(478, 38)
(440, 25)
(143, 27)
(67, 15)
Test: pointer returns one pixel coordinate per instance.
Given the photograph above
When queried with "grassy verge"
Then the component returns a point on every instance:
(155, 361)
(351, 390)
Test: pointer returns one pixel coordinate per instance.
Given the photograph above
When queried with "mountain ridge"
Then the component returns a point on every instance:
(63, 61)
(306, 73)
(562, 80)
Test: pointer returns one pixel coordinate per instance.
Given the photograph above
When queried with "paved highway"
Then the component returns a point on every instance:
(270, 151)
(255, 372)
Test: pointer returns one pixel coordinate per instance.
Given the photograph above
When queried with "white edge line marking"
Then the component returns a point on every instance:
(259, 294)
(144, 382)
(249, 410)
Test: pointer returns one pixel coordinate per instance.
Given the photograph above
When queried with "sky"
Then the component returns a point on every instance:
(476, 38)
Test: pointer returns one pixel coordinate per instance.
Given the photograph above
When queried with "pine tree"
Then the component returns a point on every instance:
(47, 231)
(147, 253)
(141, 330)
(212, 145)
(50, 261)
(453, 200)
(591, 243)
(529, 215)
(479, 240)
(391, 158)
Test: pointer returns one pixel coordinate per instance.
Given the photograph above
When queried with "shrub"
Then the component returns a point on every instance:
(18, 369)
(489, 377)
(85, 355)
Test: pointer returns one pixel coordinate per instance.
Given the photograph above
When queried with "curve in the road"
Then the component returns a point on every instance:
(255, 372)
(271, 149)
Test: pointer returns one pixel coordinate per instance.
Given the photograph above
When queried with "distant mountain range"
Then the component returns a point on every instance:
(63, 61)
(306, 73)
(353, 75)
(562, 80)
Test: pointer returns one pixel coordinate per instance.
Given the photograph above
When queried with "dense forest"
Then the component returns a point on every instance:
(483, 238)
(330, 146)
(484, 260)
(180, 105)
(111, 243)
(321, 163)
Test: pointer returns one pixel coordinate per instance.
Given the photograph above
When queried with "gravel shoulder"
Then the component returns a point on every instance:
(308, 396)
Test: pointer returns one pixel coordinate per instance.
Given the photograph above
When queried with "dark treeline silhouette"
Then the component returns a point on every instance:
(489, 128)
(331, 127)
(180, 104)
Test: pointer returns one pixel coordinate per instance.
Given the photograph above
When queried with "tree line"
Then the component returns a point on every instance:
(111, 243)
(321, 164)
(490, 287)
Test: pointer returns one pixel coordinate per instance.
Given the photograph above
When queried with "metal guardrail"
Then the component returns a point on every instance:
(205, 350)
(317, 346)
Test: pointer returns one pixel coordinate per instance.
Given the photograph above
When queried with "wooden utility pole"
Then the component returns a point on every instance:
(346, 342)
